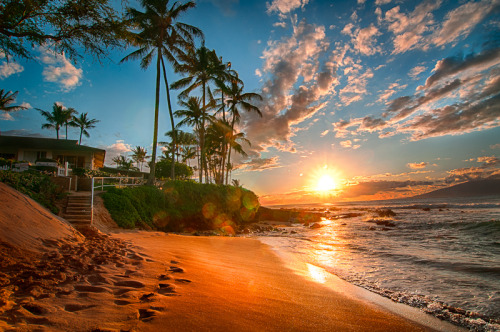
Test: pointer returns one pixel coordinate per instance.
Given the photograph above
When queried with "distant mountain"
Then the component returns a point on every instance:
(488, 187)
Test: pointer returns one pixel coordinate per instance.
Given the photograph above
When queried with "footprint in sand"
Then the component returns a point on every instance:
(163, 277)
(146, 315)
(130, 283)
(77, 307)
(183, 281)
(34, 309)
(91, 289)
(147, 297)
(176, 269)
(122, 291)
(122, 302)
(166, 289)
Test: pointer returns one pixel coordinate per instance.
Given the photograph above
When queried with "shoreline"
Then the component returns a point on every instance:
(243, 284)
(321, 276)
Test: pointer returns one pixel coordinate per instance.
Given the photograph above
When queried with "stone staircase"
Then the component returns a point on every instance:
(79, 210)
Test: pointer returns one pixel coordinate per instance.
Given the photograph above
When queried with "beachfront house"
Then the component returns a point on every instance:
(66, 152)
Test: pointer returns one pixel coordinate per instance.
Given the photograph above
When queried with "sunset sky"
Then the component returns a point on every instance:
(384, 98)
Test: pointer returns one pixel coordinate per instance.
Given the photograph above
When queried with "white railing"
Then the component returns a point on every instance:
(122, 181)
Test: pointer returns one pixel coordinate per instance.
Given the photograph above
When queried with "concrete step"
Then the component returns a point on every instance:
(78, 209)
(78, 204)
(77, 216)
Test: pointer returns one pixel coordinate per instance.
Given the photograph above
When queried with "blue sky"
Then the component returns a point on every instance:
(389, 98)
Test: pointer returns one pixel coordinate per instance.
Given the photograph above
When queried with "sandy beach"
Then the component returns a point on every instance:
(63, 280)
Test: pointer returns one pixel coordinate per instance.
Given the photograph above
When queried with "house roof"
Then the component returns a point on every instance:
(45, 144)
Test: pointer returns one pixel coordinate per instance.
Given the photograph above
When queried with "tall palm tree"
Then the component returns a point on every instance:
(6, 99)
(55, 119)
(236, 99)
(84, 123)
(139, 155)
(159, 33)
(69, 113)
(202, 66)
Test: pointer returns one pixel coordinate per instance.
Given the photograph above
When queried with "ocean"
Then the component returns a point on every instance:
(442, 256)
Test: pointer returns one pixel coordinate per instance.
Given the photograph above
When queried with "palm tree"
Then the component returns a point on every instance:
(236, 98)
(202, 66)
(139, 155)
(159, 32)
(7, 98)
(69, 114)
(117, 160)
(55, 119)
(83, 123)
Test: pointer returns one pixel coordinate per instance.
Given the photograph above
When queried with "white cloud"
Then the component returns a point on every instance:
(417, 71)
(116, 149)
(409, 29)
(382, 2)
(285, 6)
(356, 86)
(460, 21)
(5, 116)
(59, 70)
(419, 165)
(365, 39)
(9, 68)
(294, 90)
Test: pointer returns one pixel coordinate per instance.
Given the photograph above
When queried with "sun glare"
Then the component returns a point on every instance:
(326, 183)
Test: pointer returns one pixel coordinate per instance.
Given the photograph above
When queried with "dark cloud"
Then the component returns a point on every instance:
(453, 65)
(22, 132)
(259, 164)
(375, 187)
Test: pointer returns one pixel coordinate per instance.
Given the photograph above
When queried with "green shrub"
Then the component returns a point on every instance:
(121, 209)
(210, 206)
(182, 206)
(35, 185)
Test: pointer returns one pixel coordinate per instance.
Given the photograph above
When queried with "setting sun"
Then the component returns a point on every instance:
(326, 183)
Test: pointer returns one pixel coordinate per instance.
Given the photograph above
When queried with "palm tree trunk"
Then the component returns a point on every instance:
(66, 130)
(202, 137)
(81, 132)
(229, 153)
(151, 178)
(174, 135)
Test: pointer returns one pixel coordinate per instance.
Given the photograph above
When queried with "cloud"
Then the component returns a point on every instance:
(495, 146)
(376, 187)
(294, 87)
(409, 29)
(285, 6)
(116, 149)
(417, 71)
(382, 2)
(349, 144)
(460, 21)
(365, 39)
(419, 165)
(356, 86)
(259, 164)
(487, 169)
(9, 68)
(59, 70)
(21, 132)
(5, 116)
(392, 89)
(459, 64)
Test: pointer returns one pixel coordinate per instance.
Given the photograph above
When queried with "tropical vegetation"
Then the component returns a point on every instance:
(6, 99)
(183, 206)
(35, 185)
(159, 33)
(68, 27)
